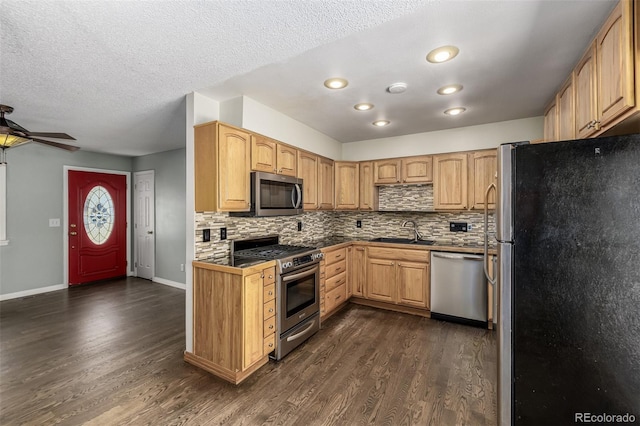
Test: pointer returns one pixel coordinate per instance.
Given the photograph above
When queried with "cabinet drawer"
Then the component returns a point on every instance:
(269, 292)
(335, 269)
(335, 256)
(269, 326)
(269, 344)
(335, 297)
(335, 281)
(398, 254)
(269, 309)
(269, 276)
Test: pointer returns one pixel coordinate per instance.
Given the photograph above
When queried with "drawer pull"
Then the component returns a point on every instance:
(270, 293)
(337, 269)
(338, 296)
(270, 326)
(338, 255)
(270, 345)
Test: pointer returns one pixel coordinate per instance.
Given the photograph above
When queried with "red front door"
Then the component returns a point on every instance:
(97, 226)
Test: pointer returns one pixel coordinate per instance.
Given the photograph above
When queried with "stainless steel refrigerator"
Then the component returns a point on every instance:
(568, 232)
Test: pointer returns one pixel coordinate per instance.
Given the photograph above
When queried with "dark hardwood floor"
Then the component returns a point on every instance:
(111, 353)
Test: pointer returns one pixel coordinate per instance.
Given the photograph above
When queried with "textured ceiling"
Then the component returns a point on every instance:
(114, 74)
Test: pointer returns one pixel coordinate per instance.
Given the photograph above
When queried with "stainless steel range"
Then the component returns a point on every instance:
(297, 287)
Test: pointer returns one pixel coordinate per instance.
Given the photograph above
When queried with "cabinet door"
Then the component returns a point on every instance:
(551, 122)
(234, 151)
(566, 114)
(347, 186)
(386, 171)
(287, 160)
(615, 64)
(483, 171)
(450, 181)
(357, 271)
(205, 167)
(325, 184)
(253, 319)
(584, 79)
(308, 172)
(413, 284)
(381, 281)
(417, 169)
(368, 191)
(263, 154)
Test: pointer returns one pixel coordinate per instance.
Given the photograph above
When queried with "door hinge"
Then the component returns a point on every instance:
(135, 264)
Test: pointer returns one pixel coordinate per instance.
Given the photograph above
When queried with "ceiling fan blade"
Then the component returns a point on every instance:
(56, 144)
(51, 135)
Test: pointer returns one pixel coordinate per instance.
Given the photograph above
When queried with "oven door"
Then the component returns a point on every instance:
(299, 296)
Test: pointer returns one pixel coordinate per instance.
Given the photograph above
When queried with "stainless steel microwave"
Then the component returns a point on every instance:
(274, 195)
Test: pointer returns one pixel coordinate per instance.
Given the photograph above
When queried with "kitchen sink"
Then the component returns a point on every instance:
(402, 241)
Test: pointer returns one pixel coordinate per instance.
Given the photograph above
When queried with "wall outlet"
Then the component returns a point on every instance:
(182, 267)
(469, 226)
(223, 233)
(54, 223)
(458, 226)
(299, 226)
(206, 235)
(358, 224)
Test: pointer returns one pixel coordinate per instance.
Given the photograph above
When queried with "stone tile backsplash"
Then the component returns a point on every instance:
(397, 203)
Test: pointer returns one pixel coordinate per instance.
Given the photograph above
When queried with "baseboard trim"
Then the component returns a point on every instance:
(32, 292)
(169, 283)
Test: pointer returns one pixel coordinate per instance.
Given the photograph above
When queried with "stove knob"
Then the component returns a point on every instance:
(287, 265)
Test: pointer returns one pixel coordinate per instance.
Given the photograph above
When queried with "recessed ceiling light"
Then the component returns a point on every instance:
(455, 111)
(336, 83)
(448, 90)
(397, 88)
(381, 123)
(442, 54)
(363, 107)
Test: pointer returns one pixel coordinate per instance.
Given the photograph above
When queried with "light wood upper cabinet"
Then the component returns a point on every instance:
(417, 169)
(308, 172)
(287, 160)
(347, 185)
(222, 165)
(614, 64)
(387, 171)
(450, 180)
(566, 111)
(483, 171)
(368, 191)
(551, 122)
(271, 156)
(586, 96)
(325, 183)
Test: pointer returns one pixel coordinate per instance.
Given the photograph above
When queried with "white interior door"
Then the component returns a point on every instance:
(144, 224)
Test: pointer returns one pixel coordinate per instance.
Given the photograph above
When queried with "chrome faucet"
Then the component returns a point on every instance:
(416, 234)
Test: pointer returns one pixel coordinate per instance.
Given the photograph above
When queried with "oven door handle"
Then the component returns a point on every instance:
(303, 332)
(302, 274)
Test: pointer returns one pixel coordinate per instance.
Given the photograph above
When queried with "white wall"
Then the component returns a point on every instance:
(231, 111)
(200, 109)
(269, 122)
(451, 140)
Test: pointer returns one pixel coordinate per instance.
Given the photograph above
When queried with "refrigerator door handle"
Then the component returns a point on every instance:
(491, 280)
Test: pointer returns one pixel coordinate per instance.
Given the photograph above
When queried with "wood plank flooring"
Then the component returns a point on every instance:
(111, 353)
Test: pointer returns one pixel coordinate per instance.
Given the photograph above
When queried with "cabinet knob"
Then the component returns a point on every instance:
(270, 310)
(270, 345)
(338, 297)
(270, 326)
(262, 276)
(270, 276)
(270, 293)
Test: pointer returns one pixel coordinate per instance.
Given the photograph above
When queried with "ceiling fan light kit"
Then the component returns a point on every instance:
(12, 134)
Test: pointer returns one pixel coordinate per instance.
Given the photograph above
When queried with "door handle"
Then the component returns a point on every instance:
(149, 232)
(73, 233)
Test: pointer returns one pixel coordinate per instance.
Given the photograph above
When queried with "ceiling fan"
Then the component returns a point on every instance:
(12, 134)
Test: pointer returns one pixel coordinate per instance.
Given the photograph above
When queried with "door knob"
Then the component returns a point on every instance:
(149, 232)
(73, 233)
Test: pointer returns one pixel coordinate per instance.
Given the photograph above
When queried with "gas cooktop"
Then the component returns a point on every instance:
(289, 257)
(272, 252)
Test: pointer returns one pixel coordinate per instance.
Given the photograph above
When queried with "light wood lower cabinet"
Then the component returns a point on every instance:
(333, 280)
(398, 276)
(233, 319)
(357, 270)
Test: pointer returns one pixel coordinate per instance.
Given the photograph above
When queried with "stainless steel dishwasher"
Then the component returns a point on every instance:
(458, 288)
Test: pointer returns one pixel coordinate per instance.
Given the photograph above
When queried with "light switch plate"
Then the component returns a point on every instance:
(54, 223)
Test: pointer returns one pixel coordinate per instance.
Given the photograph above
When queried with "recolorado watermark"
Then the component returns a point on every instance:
(604, 418)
